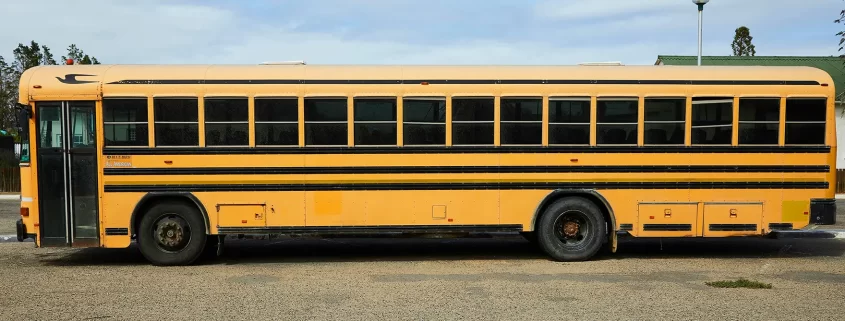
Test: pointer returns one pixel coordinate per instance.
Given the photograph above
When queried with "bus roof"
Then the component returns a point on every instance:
(89, 80)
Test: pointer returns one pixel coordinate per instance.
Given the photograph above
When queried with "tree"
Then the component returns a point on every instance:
(10, 73)
(8, 93)
(26, 57)
(33, 55)
(742, 42)
(48, 57)
(79, 57)
(841, 34)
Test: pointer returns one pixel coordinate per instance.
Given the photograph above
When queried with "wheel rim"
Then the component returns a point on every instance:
(572, 228)
(171, 233)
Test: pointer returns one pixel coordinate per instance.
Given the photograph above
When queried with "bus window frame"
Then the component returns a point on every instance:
(712, 99)
(823, 122)
(256, 122)
(624, 98)
(206, 122)
(149, 124)
(570, 98)
(539, 122)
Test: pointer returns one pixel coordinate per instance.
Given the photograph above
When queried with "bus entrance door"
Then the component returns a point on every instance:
(67, 173)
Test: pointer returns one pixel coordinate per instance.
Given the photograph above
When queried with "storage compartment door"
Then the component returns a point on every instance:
(241, 215)
(667, 219)
(732, 219)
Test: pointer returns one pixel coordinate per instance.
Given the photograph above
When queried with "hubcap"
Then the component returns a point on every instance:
(572, 228)
(172, 233)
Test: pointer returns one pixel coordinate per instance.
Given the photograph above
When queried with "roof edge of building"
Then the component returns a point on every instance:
(661, 57)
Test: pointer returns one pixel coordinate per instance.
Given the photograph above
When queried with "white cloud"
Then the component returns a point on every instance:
(158, 31)
(152, 31)
(274, 44)
(593, 9)
(667, 16)
(747, 9)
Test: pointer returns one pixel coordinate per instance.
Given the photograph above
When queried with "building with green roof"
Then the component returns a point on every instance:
(833, 65)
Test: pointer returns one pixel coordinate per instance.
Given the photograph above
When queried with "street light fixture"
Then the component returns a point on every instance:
(700, 4)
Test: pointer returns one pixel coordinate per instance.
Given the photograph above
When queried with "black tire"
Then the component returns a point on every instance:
(181, 247)
(583, 240)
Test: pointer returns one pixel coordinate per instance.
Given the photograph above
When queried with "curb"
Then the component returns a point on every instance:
(8, 238)
(10, 197)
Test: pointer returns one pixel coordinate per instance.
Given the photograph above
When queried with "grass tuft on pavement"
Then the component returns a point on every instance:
(741, 283)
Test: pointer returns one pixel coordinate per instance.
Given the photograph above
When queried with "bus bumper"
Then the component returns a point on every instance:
(823, 211)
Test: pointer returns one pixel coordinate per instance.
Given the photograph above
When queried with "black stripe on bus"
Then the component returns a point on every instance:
(780, 226)
(733, 227)
(667, 227)
(379, 229)
(467, 170)
(461, 186)
(117, 231)
(462, 82)
(464, 150)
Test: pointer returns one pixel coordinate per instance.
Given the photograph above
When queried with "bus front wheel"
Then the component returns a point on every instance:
(171, 233)
(571, 229)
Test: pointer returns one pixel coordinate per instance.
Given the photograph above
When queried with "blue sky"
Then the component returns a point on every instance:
(416, 32)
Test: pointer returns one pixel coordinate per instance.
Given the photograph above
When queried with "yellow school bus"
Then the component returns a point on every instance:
(176, 157)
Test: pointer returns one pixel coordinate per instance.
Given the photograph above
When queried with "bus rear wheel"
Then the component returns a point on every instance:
(171, 233)
(571, 229)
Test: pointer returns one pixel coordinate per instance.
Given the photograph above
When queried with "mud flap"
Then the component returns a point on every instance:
(613, 240)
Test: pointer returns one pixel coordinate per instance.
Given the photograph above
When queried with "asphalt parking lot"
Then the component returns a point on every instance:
(431, 279)
(9, 213)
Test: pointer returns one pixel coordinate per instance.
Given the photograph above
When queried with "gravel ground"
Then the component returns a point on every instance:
(437, 279)
(840, 216)
(9, 213)
(474, 279)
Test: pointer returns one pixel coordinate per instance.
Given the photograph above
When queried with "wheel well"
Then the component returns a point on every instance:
(151, 199)
(590, 195)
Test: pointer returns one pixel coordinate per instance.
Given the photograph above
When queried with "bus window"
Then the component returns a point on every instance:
(277, 121)
(176, 121)
(375, 121)
(805, 121)
(569, 120)
(326, 121)
(616, 121)
(424, 120)
(23, 116)
(664, 121)
(472, 121)
(759, 119)
(226, 122)
(712, 120)
(522, 121)
(50, 125)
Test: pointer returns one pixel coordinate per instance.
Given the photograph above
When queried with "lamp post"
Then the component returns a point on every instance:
(700, 4)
